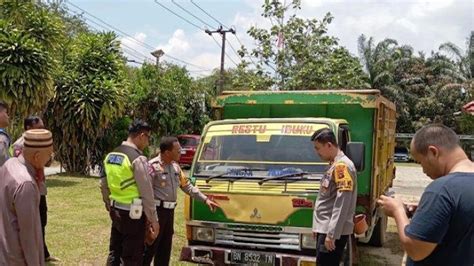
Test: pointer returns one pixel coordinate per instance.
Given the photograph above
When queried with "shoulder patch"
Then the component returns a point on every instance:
(183, 179)
(343, 178)
(115, 159)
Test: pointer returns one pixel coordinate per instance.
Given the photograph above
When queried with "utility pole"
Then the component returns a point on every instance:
(223, 33)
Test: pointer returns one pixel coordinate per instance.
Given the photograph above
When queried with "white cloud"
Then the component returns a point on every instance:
(177, 44)
(198, 49)
(207, 60)
(407, 24)
(423, 24)
(311, 3)
(134, 49)
(421, 8)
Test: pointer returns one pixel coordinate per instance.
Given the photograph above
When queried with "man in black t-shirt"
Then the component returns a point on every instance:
(442, 230)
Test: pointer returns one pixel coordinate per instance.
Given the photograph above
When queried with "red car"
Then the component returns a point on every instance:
(189, 145)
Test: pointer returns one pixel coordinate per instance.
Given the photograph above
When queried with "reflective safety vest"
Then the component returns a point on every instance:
(119, 172)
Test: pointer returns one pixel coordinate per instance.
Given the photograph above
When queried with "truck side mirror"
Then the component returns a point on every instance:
(356, 152)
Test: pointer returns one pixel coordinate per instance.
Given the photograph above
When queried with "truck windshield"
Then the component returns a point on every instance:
(259, 150)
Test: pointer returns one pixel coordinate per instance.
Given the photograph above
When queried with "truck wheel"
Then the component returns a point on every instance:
(347, 254)
(378, 236)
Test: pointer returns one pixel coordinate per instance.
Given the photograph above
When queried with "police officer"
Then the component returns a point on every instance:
(126, 182)
(4, 137)
(335, 206)
(167, 177)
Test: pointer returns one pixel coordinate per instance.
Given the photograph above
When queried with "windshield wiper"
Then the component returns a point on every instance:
(235, 173)
(282, 176)
(215, 176)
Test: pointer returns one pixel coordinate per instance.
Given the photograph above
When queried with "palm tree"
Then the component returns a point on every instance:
(377, 60)
(464, 61)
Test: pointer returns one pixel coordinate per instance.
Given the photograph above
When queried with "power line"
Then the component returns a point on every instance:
(205, 12)
(176, 14)
(248, 56)
(110, 26)
(134, 51)
(194, 16)
(136, 62)
(220, 23)
(192, 25)
(238, 39)
(177, 59)
(143, 44)
(104, 28)
(228, 57)
(232, 47)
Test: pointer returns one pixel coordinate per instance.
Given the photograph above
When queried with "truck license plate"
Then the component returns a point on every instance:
(253, 258)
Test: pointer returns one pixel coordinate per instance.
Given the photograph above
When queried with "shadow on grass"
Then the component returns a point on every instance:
(66, 174)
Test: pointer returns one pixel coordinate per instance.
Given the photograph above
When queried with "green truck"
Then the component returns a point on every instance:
(257, 161)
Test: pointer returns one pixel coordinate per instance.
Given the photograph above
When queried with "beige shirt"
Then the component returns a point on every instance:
(142, 178)
(21, 240)
(335, 206)
(167, 178)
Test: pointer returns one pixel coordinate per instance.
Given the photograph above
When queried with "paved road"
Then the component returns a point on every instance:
(52, 170)
(409, 184)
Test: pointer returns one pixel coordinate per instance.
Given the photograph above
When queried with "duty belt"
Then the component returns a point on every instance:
(120, 206)
(166, 204)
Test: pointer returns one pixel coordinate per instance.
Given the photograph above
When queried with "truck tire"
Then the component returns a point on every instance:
(378, 236)
(347, 256)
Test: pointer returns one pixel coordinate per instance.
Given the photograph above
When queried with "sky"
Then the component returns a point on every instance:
(146, 25)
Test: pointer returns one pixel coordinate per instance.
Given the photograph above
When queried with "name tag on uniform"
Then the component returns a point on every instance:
(325, 183)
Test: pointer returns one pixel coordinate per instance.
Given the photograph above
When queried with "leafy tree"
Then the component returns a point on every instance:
(89, 95)
(29, 37)
(300, 52)
(425, 90)
(463, 60)
(169, 99)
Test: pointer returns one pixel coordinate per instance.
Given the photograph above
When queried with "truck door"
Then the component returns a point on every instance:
(343, 137)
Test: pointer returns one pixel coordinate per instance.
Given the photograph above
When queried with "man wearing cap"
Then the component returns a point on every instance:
(335, 206)
(20, 228)
(167, 177)
(126, 188)
(35, 122)
(4, 137)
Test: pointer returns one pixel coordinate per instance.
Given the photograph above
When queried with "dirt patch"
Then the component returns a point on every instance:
(390, 254)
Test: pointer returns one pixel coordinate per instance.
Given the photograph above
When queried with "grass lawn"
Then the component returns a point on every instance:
(78, 227)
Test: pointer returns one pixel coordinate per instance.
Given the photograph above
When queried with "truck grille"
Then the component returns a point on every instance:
(254, 239)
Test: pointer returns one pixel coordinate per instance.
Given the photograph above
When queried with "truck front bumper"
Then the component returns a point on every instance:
(221, 256)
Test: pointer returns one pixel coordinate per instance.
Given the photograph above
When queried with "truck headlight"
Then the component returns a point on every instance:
(203, 234)
(308, 241)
